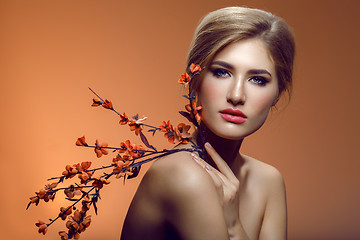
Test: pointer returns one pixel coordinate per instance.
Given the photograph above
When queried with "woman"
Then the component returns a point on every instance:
(248, 57)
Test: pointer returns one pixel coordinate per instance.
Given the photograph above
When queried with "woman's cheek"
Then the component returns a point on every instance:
(264, 103)
(209, 92)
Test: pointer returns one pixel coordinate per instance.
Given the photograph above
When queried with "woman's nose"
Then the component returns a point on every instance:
(236, 94)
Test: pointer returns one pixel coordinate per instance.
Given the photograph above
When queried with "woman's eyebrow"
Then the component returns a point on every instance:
(231, 67)
(223, 64)
(259, 71)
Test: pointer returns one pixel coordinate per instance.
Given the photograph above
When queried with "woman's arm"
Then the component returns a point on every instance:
(274, 224)
(270, 182)
(176, 193)
(228, 190)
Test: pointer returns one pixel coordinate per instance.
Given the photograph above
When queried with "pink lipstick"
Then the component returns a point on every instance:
(233, 115)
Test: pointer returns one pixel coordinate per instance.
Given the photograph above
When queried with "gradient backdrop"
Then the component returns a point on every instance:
(132, 52)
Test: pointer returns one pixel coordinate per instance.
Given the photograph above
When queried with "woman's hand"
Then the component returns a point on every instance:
(227, 186)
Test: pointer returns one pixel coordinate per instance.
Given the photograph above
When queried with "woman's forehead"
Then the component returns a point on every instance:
(252, 53)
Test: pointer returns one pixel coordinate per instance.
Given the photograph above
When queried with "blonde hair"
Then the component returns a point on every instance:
(224, 26)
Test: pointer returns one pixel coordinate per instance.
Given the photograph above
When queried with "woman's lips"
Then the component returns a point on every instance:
(232, 115)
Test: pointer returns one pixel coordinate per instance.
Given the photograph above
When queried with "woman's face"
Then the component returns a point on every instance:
(238, 89)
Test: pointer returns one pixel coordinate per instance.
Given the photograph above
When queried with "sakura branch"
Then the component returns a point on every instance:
(126, 162)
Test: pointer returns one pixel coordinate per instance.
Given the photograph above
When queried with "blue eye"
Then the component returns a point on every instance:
(220, 72)
(261, 81)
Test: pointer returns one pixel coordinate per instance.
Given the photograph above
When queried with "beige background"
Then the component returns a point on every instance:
(132, 52)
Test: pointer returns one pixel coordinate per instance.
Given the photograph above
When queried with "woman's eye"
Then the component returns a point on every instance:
(219, 72)
(259, 80)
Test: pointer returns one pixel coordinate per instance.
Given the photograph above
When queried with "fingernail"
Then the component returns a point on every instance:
(207, 145)
(207, 168)
(195, 157)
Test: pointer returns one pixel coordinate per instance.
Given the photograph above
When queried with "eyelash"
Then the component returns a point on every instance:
(261, 81)
(222, 73)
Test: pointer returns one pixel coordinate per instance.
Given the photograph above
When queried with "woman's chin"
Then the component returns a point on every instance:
(228, 135)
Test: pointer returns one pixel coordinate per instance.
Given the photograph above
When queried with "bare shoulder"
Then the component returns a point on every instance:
(263, 174)
(267, 184)
(172, 181)
(171, 191)
(176, 174)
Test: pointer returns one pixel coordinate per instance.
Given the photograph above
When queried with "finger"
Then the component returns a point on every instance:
(220, 163)
(211, 170)
(224, 179)
(201, 162)
(216, 176)
(217, 180)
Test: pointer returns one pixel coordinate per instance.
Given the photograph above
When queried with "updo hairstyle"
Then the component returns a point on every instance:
(222, 27)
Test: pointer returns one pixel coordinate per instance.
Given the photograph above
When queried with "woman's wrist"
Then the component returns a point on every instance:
(237, 232)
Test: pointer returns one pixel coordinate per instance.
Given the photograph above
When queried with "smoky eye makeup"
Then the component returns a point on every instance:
(220, 72)
(220, 69)
(259, 80)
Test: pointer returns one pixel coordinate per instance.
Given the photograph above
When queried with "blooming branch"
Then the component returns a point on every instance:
(129, 157)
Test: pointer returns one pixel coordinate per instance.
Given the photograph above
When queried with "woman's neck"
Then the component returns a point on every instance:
(227, 149)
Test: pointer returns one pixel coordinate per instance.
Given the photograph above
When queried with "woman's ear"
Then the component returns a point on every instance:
(197, 100)
(275, 101)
